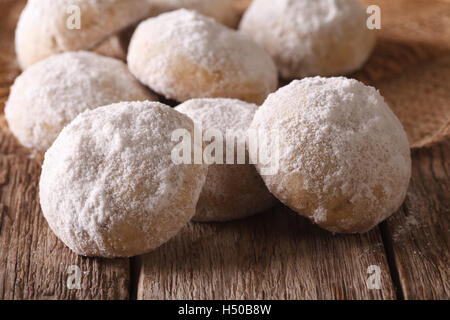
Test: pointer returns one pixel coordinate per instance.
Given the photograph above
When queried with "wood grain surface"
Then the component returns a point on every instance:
(419, 234)
(278, 254)
(33, 262)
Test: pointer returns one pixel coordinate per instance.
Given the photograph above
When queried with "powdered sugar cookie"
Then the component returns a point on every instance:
(109, 187)
(343, 157)
(51, 93)
(222, 11)
(234, 190)
(48, 27)
(305, 38)
(184, 55)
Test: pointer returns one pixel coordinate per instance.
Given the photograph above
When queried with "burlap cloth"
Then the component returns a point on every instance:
(410, 65)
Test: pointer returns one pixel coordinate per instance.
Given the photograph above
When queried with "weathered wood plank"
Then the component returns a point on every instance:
(33, 262)
(420, 233)
(277, 255)
(9, 69)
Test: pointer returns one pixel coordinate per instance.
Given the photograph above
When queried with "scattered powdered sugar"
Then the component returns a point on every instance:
(205, 50)
(410, 222)
(342, 151)
(51, 93)
(109, 187)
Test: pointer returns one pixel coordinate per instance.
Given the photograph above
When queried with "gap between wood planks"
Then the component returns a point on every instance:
(395, 278)
(420, 231)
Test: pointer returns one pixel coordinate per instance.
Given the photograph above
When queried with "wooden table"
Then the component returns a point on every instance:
(278, 254)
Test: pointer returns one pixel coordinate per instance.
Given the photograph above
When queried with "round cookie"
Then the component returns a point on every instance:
(222, 11)
(307, 38)
(342, 156)
(231, 191)
(50, 94)
(109, 187)
(43, 27)
(184, 55)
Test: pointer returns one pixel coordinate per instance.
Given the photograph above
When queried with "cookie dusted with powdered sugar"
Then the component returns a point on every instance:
(109, 186)
(50, 94)
(184, 55)
(341, 156)
(48, 27)
(309, 38)
(232, 190)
